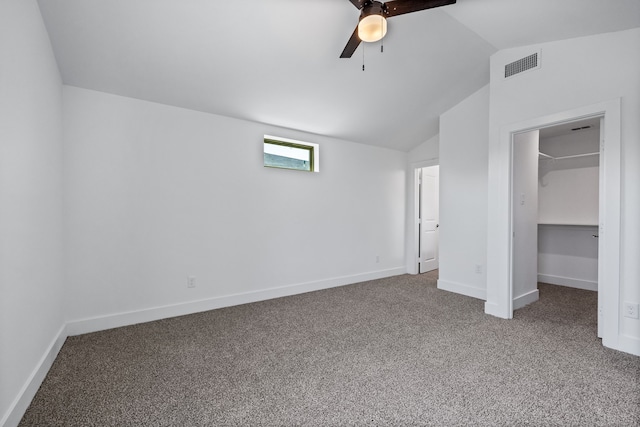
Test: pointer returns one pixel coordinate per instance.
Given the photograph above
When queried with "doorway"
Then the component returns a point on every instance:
(572, 222)
(499, 300)
(555, 208)
(428, 218)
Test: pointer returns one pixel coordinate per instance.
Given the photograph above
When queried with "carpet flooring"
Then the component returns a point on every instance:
(396, 352)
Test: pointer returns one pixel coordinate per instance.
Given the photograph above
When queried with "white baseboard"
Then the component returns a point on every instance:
(497, 310)
(20, 404)
(459, 288)
(528, 298)
(116, 320)
(588, 285)
(629, 344)
(22, 401)
(25, 396)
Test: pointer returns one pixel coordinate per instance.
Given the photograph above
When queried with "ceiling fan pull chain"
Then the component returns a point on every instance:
(381, 37)
(362, 56)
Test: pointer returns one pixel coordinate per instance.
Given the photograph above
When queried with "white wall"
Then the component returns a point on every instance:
(569, 196)
(31, 246)
(464, 134)
(575, 73)
(568, 211)
(577, 142)
(568, 256)
(525, 218)
(568, 188)
(428, 150)
(156, 194)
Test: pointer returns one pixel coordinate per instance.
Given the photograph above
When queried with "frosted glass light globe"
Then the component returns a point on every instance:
(372, 28)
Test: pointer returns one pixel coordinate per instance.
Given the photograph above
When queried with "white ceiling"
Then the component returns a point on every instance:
(570, 127)
(277, 61)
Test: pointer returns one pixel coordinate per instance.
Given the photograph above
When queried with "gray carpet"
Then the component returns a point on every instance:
(395, 352)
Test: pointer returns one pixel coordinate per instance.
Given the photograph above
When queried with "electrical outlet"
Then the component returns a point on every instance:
(191, 282)
(377, 259)
(630, 310)
(478, 268)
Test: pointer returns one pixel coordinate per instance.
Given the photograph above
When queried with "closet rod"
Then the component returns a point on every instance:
(569, 157)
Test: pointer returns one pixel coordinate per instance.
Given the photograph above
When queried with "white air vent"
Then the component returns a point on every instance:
(527, 63)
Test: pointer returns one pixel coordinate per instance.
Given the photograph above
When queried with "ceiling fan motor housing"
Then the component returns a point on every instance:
(373, 8)
(373, 24)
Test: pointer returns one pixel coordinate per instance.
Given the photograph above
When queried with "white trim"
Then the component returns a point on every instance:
(435, 161)
(99, 323)
(629, 344)
(462, 289)
(22, 401)
(28, 391)
(499, 271)
(496, 310)
(587, 285)
(525, 299)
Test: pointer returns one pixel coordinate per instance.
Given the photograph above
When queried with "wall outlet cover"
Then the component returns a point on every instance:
(191, 282)
(630, 310)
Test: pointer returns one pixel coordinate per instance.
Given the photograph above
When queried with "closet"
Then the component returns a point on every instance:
(568, 189)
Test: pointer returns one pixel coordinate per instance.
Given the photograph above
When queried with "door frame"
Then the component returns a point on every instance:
(413, 249)
(499, 281)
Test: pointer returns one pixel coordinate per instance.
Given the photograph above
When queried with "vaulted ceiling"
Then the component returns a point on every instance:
(277, 61)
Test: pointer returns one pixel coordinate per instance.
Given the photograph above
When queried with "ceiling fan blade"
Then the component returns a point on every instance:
(352, 45)
(400, 7)
(357, 3)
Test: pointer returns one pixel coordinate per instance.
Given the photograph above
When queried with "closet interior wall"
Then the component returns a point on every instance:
(568, 208)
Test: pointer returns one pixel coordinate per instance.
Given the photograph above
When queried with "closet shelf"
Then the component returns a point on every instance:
(565, 224)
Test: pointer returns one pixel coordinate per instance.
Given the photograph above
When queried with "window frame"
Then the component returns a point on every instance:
(285, 142)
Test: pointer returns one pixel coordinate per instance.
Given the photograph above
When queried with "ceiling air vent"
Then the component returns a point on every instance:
(524, 64)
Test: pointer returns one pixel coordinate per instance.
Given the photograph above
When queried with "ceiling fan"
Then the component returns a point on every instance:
(372, 25)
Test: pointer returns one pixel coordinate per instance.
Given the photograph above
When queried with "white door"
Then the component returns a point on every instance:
(429, 219)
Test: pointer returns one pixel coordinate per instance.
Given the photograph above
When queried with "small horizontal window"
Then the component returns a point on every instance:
(288, 154)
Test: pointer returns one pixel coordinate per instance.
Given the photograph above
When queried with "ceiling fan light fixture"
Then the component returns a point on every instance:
(373, 25)
(372, 28)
